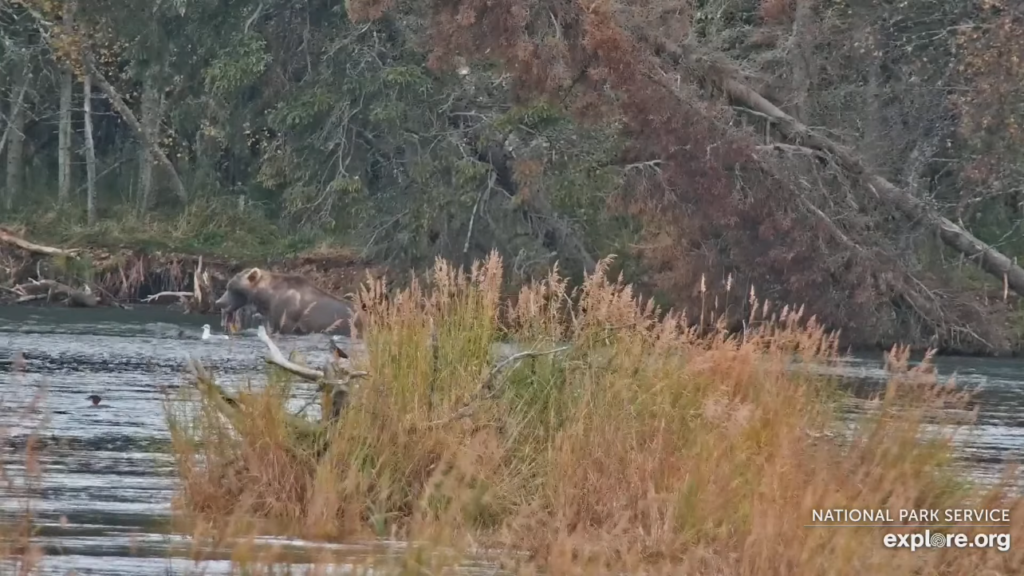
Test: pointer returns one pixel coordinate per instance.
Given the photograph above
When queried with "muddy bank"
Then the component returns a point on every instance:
(37, 274)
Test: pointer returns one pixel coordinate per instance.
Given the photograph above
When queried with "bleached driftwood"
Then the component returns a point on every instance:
(228, 405)
(276, 357)
(8, 237)
(334, 381)
(197, 291)
(161, 296)
(30, 298)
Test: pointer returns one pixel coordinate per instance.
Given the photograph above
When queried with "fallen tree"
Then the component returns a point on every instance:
(725, 78)
(711, 205)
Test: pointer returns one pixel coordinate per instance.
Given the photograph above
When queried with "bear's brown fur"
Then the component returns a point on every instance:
(289, 304)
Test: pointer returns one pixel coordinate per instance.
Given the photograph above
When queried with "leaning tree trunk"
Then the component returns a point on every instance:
(150, 144)
(90, 149)
(992, 261)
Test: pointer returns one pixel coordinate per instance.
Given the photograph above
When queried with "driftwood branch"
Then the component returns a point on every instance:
(229, 406)
(487, 389)
(30, 298)
(333, 381)
(275, 357)
(225, 403)
(8, 237)
(159, 297)
(197, 288)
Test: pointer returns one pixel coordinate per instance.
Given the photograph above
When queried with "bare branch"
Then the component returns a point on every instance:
(487, 390)
(274, 356)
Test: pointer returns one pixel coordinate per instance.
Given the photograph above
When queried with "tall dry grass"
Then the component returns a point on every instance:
(640, 444)
(20, 554)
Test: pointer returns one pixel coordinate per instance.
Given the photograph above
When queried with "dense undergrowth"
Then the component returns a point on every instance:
(625, 442)
(212, 226)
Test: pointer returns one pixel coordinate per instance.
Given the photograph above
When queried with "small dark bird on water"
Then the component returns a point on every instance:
(95, 399)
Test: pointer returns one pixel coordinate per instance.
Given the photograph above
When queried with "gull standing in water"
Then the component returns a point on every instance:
(208, 336)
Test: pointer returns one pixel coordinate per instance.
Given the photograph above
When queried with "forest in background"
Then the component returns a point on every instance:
(863, 159)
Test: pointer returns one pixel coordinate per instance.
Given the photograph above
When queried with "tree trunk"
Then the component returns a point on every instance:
(64, 126)
(149, 127)
(64, 139)
(15, 136)
(991, 260)
(16, 104)
(90, 149)
(801, 50)
(149, 144)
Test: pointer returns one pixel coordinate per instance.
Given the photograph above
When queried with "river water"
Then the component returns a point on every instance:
(104, 501)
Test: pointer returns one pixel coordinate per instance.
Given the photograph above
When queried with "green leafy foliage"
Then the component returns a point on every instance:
(238, 66)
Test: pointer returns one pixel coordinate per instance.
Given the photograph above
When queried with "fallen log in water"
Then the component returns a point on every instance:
(333, 382)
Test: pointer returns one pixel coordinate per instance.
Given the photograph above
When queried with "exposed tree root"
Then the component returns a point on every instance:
(124, 277)
(51, 291)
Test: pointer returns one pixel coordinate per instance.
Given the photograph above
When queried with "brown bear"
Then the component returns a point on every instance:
(288, 304)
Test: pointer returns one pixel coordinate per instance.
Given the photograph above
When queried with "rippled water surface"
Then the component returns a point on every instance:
(107, 486)
(108, 474)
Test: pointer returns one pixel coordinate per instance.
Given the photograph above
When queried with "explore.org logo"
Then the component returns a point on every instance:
(929, 539)
(968, 528)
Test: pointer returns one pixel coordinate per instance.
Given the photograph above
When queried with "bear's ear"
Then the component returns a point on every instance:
(254, 275)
